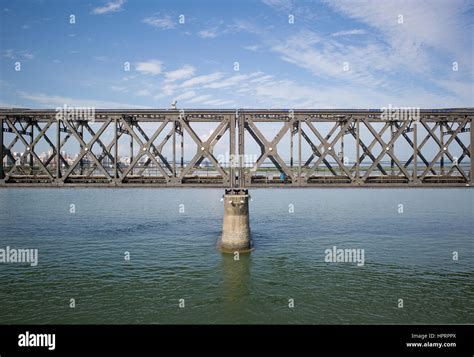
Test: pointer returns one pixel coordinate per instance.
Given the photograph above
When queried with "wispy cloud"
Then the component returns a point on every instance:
(349, 33)
(287, 65)
(122, 89)
(413, 27)
(208, 33)
(200, 80)
(186, 95)
(164, 23)
(101, 58)
(253, 48)
(200, 98)
(109, 7)
(152, 67)
(52, 101)
(218, 102)
(143, 93)
(285, 5)
(181, 73)
(14, 54)
(231, 81)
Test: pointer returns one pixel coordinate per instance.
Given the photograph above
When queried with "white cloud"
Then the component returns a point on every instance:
(240, 25)
(253, 48)
(285, 5)
(186, 95)
(393, 63)
(204, 79)
(286, 93)
(152, 67)
(348, 33)
(119, 89)
(436, 24)
(209, 33)
(53, 101)
(101, 58)
(218, 102)
(166, 90)
(181, 73)
(109, 7)
(143, 93)
(231, 81)
(28, 55)
(14, 54)
(327, 58)
(261, 79)
(463, 89)
(200, 98)
(164, 23)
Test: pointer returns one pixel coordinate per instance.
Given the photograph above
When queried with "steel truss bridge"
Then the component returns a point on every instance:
(311, 148)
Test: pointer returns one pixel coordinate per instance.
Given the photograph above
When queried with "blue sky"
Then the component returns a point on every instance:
(335, 54)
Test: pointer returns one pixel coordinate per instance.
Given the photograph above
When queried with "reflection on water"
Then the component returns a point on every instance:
(81, 255)
(236, 276)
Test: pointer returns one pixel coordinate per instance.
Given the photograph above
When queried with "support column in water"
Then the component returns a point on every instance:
(236, 227)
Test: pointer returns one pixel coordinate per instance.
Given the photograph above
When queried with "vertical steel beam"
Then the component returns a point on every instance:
(415, 151)
(358, 163)
(342, 148)
(2, 173)
(241, 140)
(441, 139)
(174, 148)
(291, 146)
(299, 153)
(182, 148)
(131, 146)
(116, 148)
(392, 147)
(81, 134)
(471, 154)
(31, 144)
(58, 149)
(232, 119)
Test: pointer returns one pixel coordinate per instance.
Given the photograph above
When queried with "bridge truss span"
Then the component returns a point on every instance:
(236, 149)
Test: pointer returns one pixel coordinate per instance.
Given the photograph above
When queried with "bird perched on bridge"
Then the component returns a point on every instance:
(173, 105)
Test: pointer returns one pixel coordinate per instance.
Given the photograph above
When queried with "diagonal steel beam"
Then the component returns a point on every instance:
(101, 144)
(57, 151)
(203, 148)
(329, 147)
(418, 151)
(441, 147)
(86, 148)
(144, 148)
(327, 137)
(29, 148)
(387, 148)
(104, 154)
(269, 148)
(316, 152)
(156, 151)
(367, 150)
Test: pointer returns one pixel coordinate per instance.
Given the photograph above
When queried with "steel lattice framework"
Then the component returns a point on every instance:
(433, 150)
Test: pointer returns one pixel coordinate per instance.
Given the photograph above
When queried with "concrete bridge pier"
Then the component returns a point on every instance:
(236, 227)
